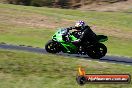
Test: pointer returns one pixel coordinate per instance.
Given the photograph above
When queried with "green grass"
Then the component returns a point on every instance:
(27, 36)
(29, 70)
(21, 34)
(117, 46)
(128, 10)
(110, 19)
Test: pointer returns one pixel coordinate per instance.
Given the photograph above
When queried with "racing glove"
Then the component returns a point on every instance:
(76, 41)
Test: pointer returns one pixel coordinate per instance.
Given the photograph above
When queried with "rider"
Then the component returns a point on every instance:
(86, 33)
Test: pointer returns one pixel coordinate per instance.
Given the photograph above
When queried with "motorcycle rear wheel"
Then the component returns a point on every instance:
(97, 51)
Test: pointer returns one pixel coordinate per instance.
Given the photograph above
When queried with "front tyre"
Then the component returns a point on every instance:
(52, 47)
(97, 51)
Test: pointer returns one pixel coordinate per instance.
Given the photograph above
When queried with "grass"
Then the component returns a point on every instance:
(117, 46)
(30, 70)
(129, 10)
(27, 36)
(24, 70)
(14, 32)
(110, 19)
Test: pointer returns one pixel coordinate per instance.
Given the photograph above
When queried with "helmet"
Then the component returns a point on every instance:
(80, 25)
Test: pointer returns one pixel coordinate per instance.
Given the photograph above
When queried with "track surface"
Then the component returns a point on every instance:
(113, 59)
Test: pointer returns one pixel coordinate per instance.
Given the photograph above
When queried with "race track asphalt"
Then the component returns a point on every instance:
(112, 59)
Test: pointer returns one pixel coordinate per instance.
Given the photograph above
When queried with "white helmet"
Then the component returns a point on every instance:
(80, 25)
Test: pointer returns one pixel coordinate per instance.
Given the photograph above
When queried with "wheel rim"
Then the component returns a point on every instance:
(97, 51)
(52, 46)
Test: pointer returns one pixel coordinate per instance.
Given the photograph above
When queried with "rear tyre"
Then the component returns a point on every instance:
(52, 47)
(97, 51)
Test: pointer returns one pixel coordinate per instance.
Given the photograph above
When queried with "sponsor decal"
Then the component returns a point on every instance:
(83, 78)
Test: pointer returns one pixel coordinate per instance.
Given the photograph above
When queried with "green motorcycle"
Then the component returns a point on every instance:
(59, 43)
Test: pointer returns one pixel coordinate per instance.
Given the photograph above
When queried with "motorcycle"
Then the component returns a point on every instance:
(59, 43)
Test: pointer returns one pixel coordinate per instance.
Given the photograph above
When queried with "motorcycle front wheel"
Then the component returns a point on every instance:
(52, 47)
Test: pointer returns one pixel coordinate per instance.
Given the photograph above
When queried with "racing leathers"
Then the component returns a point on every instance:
(86, 35)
